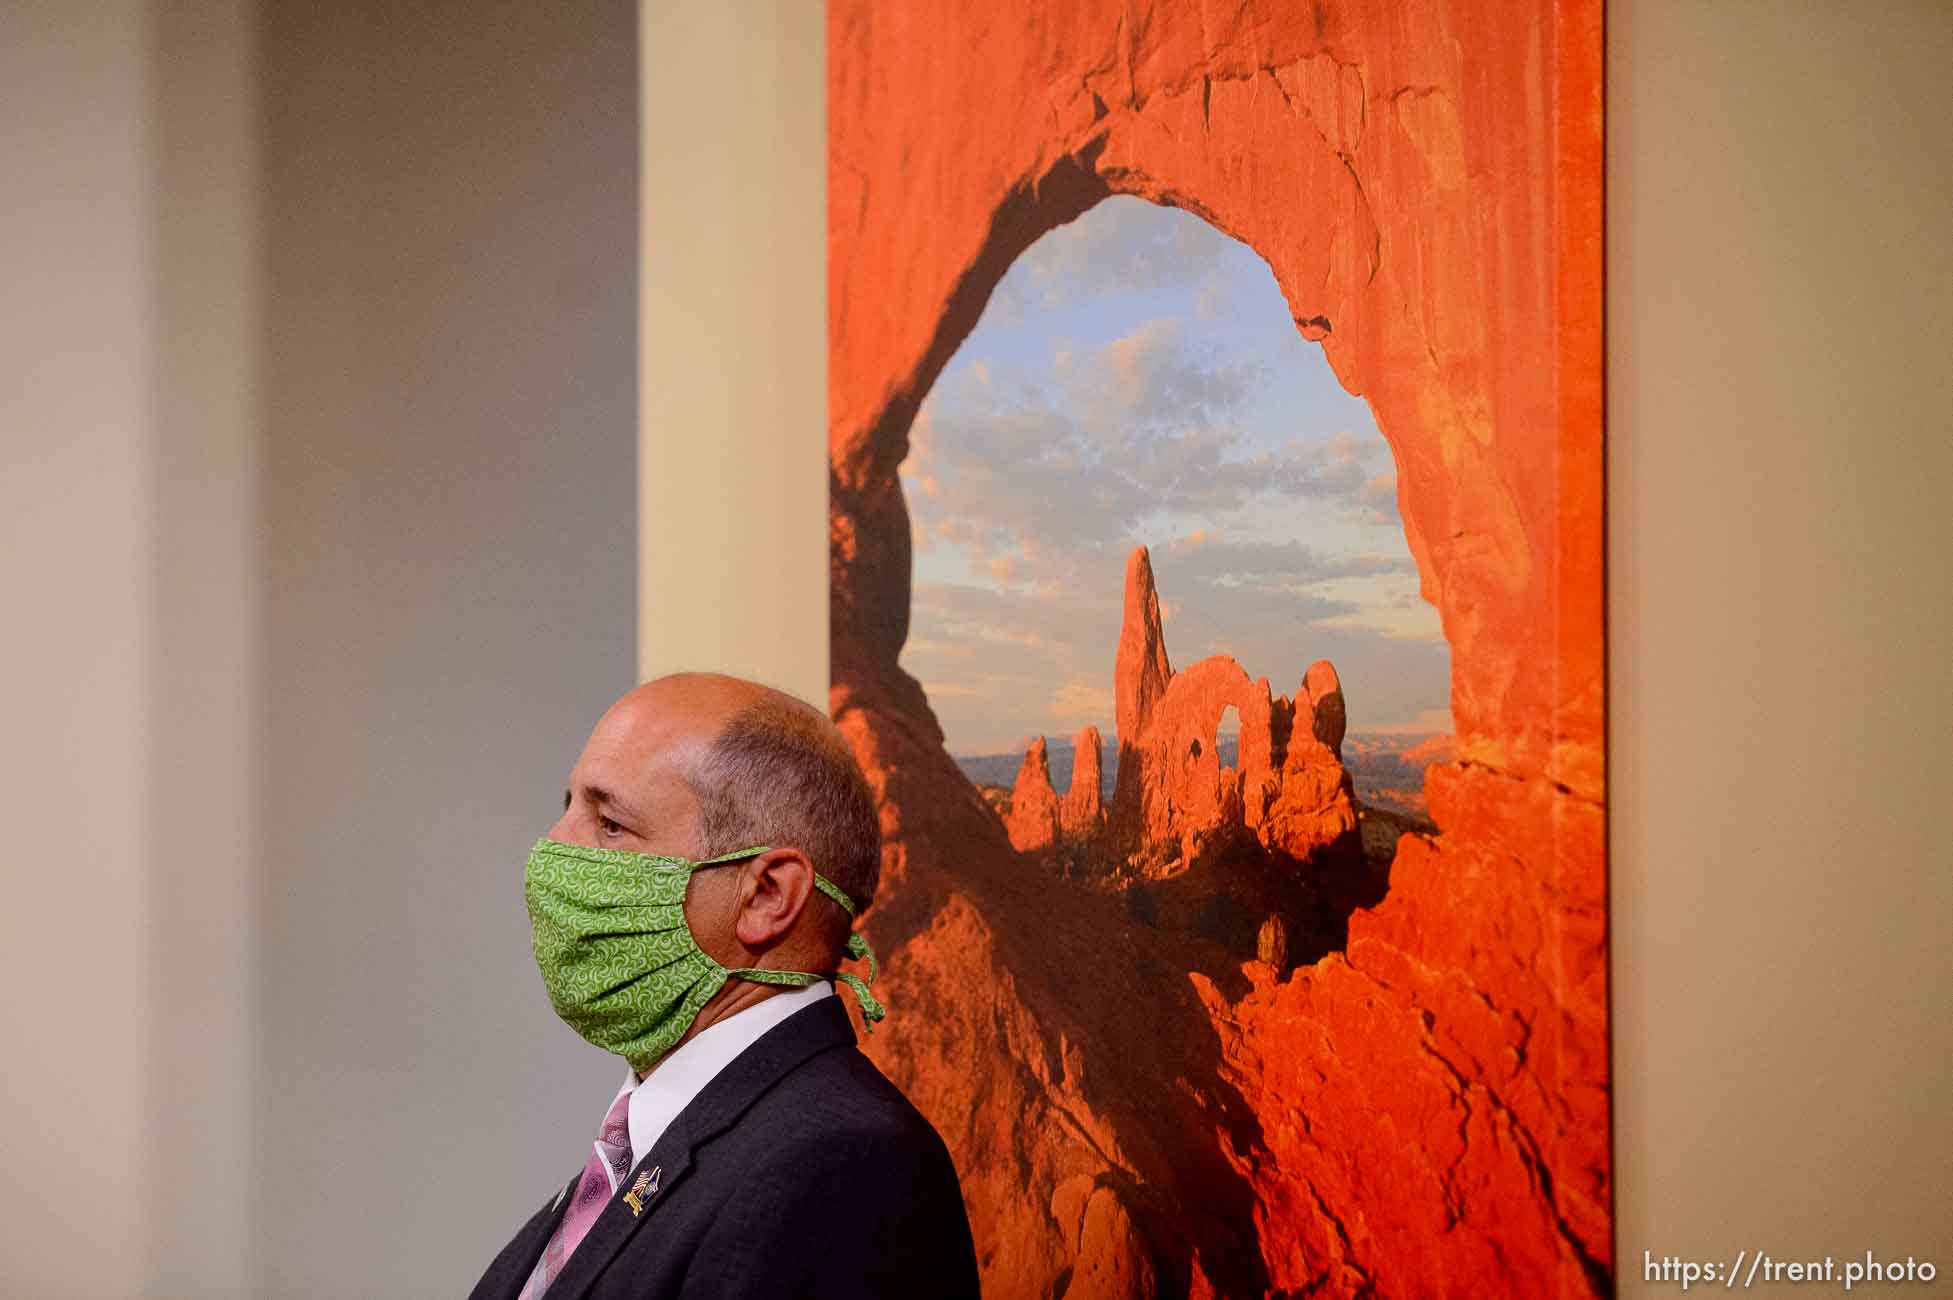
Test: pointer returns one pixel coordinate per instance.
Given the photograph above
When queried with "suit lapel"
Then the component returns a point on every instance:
(717, 1107)
(504, 1278)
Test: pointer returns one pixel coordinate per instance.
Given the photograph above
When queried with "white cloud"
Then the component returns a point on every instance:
(1081, 700)
(1045, 662)
(1140, 413)
(1037, 482)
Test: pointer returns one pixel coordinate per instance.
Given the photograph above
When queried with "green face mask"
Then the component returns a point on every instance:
(618, 957)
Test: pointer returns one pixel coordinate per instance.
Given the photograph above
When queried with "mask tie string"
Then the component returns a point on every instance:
(872, 1010)
(858, 950)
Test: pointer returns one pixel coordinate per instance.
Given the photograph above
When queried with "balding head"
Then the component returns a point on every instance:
(698, 764)
(779, 773)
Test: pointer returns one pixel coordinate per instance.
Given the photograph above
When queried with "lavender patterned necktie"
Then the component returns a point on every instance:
(610, 1160)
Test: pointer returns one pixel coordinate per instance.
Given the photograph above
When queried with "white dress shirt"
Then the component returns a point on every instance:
(683, 1072)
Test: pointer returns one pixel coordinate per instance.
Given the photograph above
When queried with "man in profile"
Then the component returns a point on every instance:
(689, 911)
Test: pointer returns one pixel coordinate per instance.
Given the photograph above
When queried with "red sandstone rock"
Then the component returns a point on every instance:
(1081, 817)
(1139, 677)
(1424, 1115)
(1141, 671)
(1437, 749)
(1099, 1234)
(1328, 715)
(1039, 821)
(1113, 1263)
(1315, 808)
(1175, 807)
(1034, 808)
(1176, 761)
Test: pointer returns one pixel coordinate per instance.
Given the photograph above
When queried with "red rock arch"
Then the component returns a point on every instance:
(1426, 1114)
(1196, 698)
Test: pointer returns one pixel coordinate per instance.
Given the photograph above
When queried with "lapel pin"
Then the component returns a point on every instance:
(643, 1190)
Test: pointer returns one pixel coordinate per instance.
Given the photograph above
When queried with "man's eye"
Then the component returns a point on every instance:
(608, 826)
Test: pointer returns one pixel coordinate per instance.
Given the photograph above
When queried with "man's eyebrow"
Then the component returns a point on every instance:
(603, 798)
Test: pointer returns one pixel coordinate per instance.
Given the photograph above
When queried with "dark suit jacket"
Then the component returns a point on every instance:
(799, 1173)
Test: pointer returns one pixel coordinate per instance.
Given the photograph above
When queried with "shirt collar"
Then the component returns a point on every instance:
(684, 1072)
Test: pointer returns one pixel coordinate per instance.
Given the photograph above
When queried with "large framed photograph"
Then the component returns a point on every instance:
(1217, 610)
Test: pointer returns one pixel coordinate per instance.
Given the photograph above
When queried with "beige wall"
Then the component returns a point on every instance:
(448, 211)
(205, 606)
(317, 341)
(1780, 469)
(316, 436)
(77, 648)
(128, 665)
(732, 546)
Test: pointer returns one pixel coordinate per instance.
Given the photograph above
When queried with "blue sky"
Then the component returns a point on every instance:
(1136, 379)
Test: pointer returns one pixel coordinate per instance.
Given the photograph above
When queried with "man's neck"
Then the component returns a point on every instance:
(738, 995)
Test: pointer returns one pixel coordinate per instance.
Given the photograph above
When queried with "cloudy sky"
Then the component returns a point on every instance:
(1136, 380)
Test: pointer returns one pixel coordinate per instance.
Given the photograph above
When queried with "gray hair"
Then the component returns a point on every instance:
(779, 774)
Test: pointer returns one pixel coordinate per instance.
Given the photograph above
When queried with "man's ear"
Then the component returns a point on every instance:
(778, 884)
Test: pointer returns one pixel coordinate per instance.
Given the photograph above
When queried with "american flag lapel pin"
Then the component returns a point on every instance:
(643, 1190)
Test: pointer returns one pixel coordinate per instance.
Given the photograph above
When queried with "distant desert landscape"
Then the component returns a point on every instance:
(1387, 769)
(1261, 840)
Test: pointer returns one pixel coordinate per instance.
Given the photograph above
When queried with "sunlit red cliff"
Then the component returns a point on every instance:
(1145, 1094)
